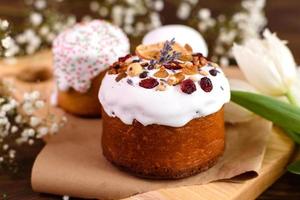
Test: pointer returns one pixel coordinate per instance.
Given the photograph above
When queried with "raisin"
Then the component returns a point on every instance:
(150, 67)
(213, 72)
(129, 81)
(144, 74)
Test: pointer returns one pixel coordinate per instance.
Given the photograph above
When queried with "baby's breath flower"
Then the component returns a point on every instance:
(34, 121)
(184, 11)
(4, 25)
(36, 19)
(5, 147)
(54, 128)
(42, 131)
(39, 104)
(7, 42)
(65, 197)
(40, 4)
(30, 141)
(19, 124)
(18, 119)
(12, 154)
(14, 129)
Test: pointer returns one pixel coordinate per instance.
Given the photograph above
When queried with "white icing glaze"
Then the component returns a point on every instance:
(182, 34)
(84, 51)
(171, 107)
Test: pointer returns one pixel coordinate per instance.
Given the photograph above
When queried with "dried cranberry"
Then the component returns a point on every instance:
(148, 83)
(188, 86)
(172, 65)
(213, 72)
(123, 59)
(206, 84)
(144, 74)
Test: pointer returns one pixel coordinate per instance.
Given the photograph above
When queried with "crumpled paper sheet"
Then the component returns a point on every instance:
(72, 162)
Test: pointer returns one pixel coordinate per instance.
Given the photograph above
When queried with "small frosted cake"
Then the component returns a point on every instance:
(82, 55)
(163, 112)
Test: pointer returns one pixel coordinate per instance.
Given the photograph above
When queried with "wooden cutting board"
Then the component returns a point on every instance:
(279, 150)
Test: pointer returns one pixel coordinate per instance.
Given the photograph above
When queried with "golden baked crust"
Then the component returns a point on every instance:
(163, 152)
(82, 104)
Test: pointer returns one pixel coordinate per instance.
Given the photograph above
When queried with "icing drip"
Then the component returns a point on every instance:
(84, 51)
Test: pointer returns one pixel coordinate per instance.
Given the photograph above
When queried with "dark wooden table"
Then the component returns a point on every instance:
(283, 18)
(17, 186)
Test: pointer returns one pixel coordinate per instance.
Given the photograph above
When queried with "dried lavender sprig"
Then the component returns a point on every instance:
(167, 54)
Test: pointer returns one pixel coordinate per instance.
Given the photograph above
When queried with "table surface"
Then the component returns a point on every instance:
(283, 18)
(17, 186)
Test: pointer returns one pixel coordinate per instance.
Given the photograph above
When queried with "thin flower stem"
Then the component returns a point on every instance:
(292, 99)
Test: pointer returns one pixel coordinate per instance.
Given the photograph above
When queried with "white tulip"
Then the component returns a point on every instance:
(295, 89)
(267, 64)
(233, 112)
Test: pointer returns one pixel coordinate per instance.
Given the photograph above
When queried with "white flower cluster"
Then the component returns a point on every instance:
(42, 26)
(7, 45)
(239, 27)
(185, 8)
(251, 20)
(135, 17)
(19, 123)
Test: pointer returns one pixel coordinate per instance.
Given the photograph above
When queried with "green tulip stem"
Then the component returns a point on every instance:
(292, 98)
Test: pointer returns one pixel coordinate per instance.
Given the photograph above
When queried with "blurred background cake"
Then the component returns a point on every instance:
(81, 56)
(163, 111)
(183, 35)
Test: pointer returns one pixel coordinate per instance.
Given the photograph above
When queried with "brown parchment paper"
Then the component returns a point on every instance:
(72, 162)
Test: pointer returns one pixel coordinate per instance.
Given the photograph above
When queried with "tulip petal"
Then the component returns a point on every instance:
(282, 56)
(295, 88)
(233, 112)
(258, 68)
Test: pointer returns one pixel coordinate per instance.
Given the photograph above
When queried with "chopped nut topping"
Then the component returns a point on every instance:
(152, 51)
(204, 73)
(199, 60)
(121, 76)
(175, 78)
(123, 59)
(213, 64)
(173, 64)
(190, 70)
(203, 61)
(161, 73)
(188, 48)
(134, 69)
(161, 87)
